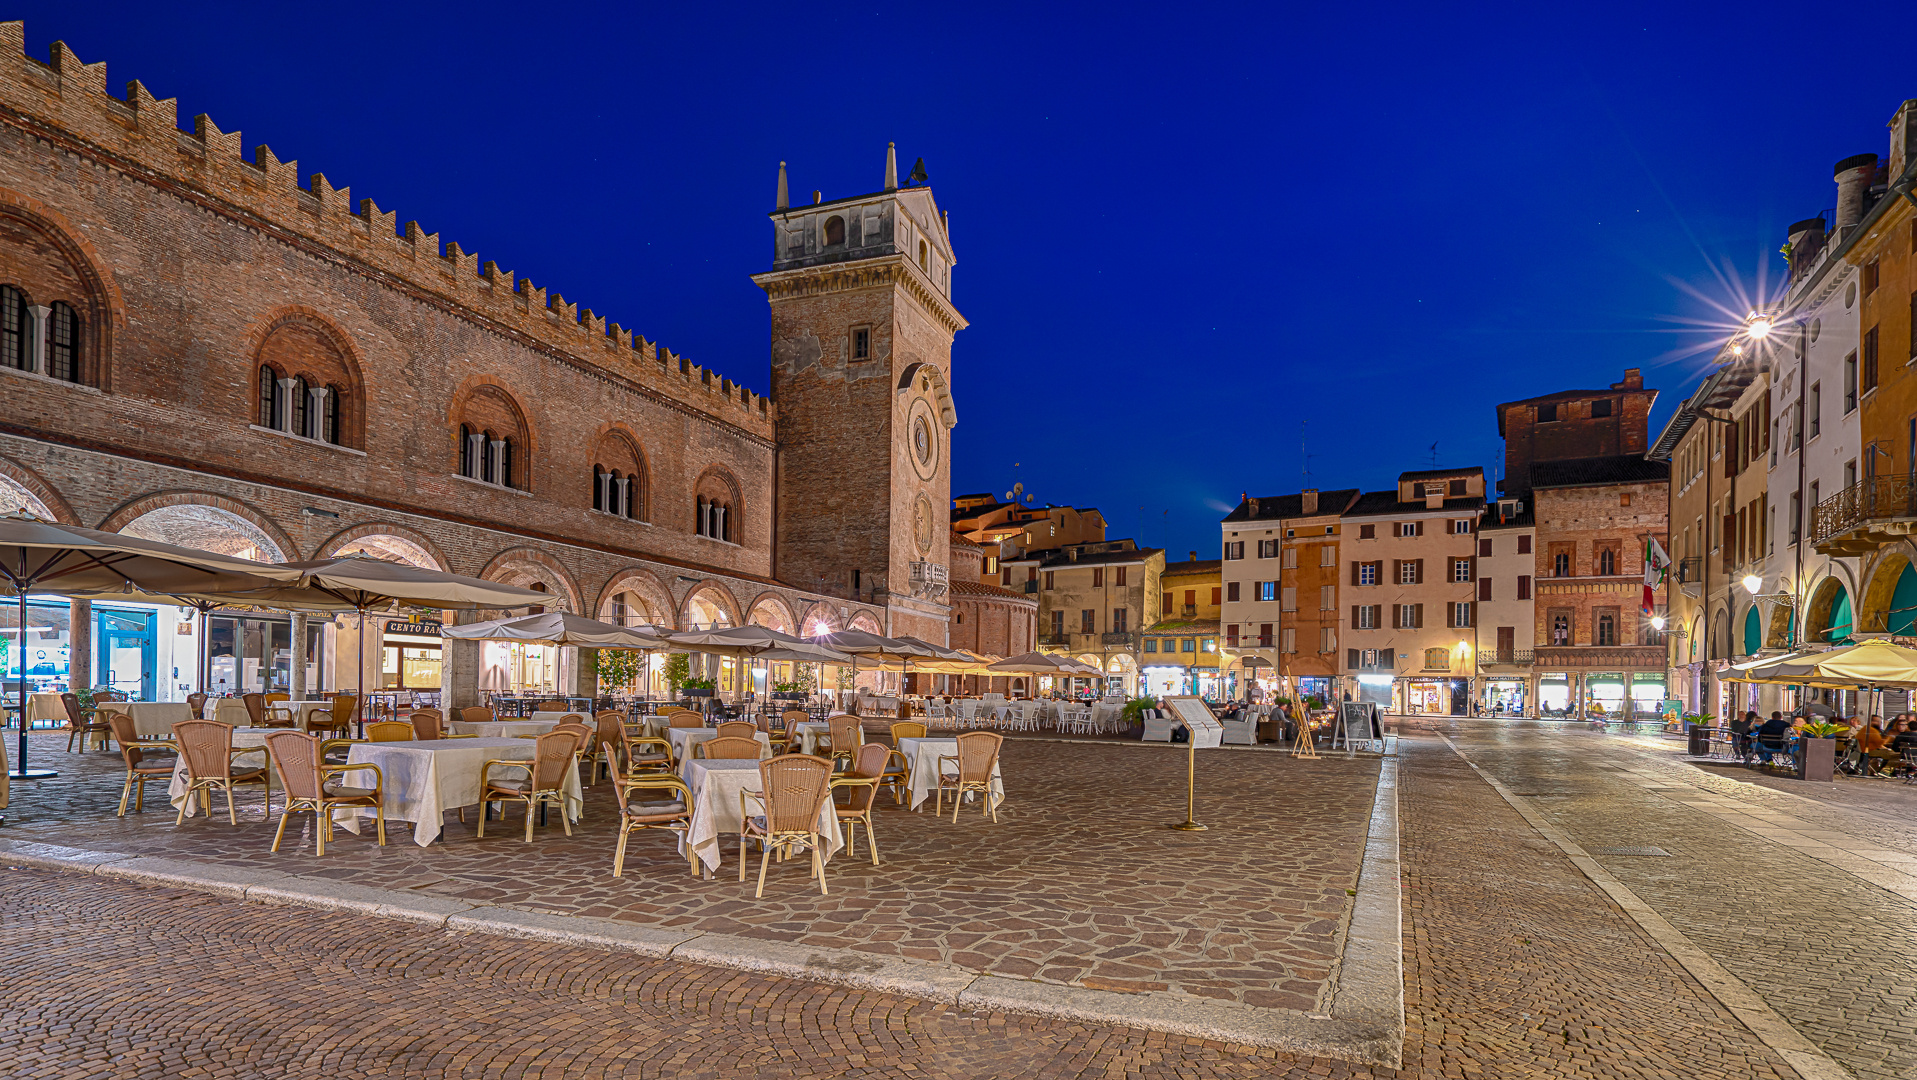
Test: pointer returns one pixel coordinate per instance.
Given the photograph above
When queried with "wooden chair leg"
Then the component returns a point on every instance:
(280, 833)
(765, 858)
(125, 790)
(619, 852)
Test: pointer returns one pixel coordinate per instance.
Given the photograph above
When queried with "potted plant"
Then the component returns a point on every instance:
(1817, 750)
(697, 688)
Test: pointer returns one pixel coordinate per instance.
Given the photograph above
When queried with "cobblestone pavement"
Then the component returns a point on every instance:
(1515, 967)
(1773, 886)
(1077, 882)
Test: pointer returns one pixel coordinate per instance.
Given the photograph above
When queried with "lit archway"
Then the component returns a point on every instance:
(1828, 618)
(864, 621)
(772, 613)
(15, 497)
(709, 607)
(393, 543)
(206, 528)
(818, 619)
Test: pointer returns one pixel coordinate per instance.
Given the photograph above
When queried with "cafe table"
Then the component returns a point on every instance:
(683, 739)
(231, 710)
(501, 729)
(46, 705)
(922, 755)
(242, 737)
(151, 719)
(809, 733)
(715, 789)
(421, 780)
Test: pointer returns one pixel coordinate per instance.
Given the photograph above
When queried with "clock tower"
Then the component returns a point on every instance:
(862, 327)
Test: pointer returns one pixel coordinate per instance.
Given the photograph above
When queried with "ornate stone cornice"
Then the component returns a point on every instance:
(895, 270)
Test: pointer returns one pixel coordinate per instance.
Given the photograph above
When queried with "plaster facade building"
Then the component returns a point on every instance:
(198, 347)
(1283, 595)
(1093, 601)
(1179, 653)
(1507, 610)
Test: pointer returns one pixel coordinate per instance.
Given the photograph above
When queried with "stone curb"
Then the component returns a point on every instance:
(1366, 1025)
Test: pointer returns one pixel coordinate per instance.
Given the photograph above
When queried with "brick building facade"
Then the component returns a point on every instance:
(192, 339)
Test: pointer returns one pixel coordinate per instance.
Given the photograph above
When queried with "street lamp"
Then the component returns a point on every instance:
(1657, 622)
(1758, 325)
(1752, 583)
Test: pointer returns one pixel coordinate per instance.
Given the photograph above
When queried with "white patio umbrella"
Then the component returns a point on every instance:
(565, 628)
(759, 643)
(46, 557)
(885, 652)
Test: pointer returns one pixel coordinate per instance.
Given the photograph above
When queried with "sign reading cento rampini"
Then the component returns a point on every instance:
(426, 629)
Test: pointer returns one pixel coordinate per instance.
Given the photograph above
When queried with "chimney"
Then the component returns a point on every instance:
(1251, 507)
(1633, 380)
(1903, 139)
(1853, 175)
(891, 168)
(1806, 241)
(1194, 556)
(782, 201)
(1309, 502)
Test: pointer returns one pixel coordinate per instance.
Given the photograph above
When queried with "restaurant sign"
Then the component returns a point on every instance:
(424, 629)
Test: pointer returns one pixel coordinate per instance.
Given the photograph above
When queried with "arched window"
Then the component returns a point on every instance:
(503, 470)
(468, 459)
(834, 230)
(1561, 565)
(269, 396)
(63, 343)
(329, 429)
(296, 401)
(488, 457)
(1607, 562)
(13, 328)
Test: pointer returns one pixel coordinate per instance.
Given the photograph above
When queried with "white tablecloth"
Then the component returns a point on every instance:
(923, 754)
(683, 738)
(151, 719)
(231, 711)
(246, 736)
(45, 706)
(715, 808)
(423, 780)
(809, 733)
(501, 729)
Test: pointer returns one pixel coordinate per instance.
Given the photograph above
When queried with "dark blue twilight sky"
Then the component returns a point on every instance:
(1183, 230)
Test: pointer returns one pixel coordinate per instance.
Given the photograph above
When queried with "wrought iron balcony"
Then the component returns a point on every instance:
(1506, 657)
(1121, 639)
(1864, 516)
(1691, 570)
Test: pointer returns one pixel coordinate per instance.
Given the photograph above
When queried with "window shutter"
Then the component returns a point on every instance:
(1524, 545)
(1397, 570)
(1524, 586)
(1397, 616)
(1356, 621)
(1417, 616)
(1484, 588)
(1484, 547)
(1470, 614)
(1351, 658)
(1417, 528)
(1417, 571)
(1356, 569)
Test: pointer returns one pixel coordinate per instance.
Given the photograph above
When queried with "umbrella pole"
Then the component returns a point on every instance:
(360, 705)
(20, 770)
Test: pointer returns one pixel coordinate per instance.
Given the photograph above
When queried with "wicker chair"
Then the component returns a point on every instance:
(255, 709)
(846, 735)
(793, 789)
(551, 706)
(207, 748)
(544, 780)
(775, 737)
(977, 757)
(898, 769)
(83, 724)
(738, 729)
(304, 774)
(670, 808)
(685, 720)
(726, 748)
(632, 755)
(390, 731)
(475, 714)
(196, 703)
(427, 725)
(910, 729)
(138, 768)
(345, 711)
(862, 780)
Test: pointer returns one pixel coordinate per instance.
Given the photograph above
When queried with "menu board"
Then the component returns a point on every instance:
(1197, 717)
(1358, 721)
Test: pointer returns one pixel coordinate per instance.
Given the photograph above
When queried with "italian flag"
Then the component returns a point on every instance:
(1656, 565)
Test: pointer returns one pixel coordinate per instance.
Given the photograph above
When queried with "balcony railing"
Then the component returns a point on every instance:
(1055, 639)
(1879, 498)
(1248, 643)
(1690, 570)
(1123, 639)
(1514, 657)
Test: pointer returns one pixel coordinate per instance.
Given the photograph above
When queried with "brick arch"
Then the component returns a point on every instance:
(864, 621)
(713, 589)
(616, 447)
(129, 512)
(275, 339)
(485, 402)
(33, 485)
(332, 545)
(647, 584)
(819, 611)
(104, 308)
(719, 482)
(778, 604)
(523, 565)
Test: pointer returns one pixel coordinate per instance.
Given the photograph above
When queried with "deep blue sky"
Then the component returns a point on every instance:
(1183, 231)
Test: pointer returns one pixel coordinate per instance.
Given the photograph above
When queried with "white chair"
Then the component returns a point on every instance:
(1075, 721)
(1159, 724)
(1243, 731)
(965, 712)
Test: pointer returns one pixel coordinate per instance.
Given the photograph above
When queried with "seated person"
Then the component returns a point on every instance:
(1741, 728)
(1773, 736)
(1876, 747)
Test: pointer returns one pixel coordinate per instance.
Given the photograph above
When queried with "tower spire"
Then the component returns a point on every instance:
(891, 168)
(783, 200)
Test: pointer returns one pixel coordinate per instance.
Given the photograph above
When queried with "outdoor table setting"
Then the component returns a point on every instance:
(922, 755)
(809, 732)
(45, 706)
(715, 809)
(231, 711)
(421, 780)
(151, 719)
(683, 740)
(242, 737)
(501, 729)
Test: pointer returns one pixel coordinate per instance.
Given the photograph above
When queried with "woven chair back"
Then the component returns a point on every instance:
(125, 735)
(581, 733)
(553, 755)
(389, 731)
(794, 716)
(109, 695)
(795, 786)
(203, 746)
(977, 754)
(738, 729)
(72, 705)
(615, 715)
(476, 714)
(609, 727)
(731, 749)
(275, 699)
(427, 725)
(197, 704)
(847, 732)
(345, 708)
(910, 729)
(296, 757)
(255, 708)
(869, 763)
(685, 720)
(551, 706)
